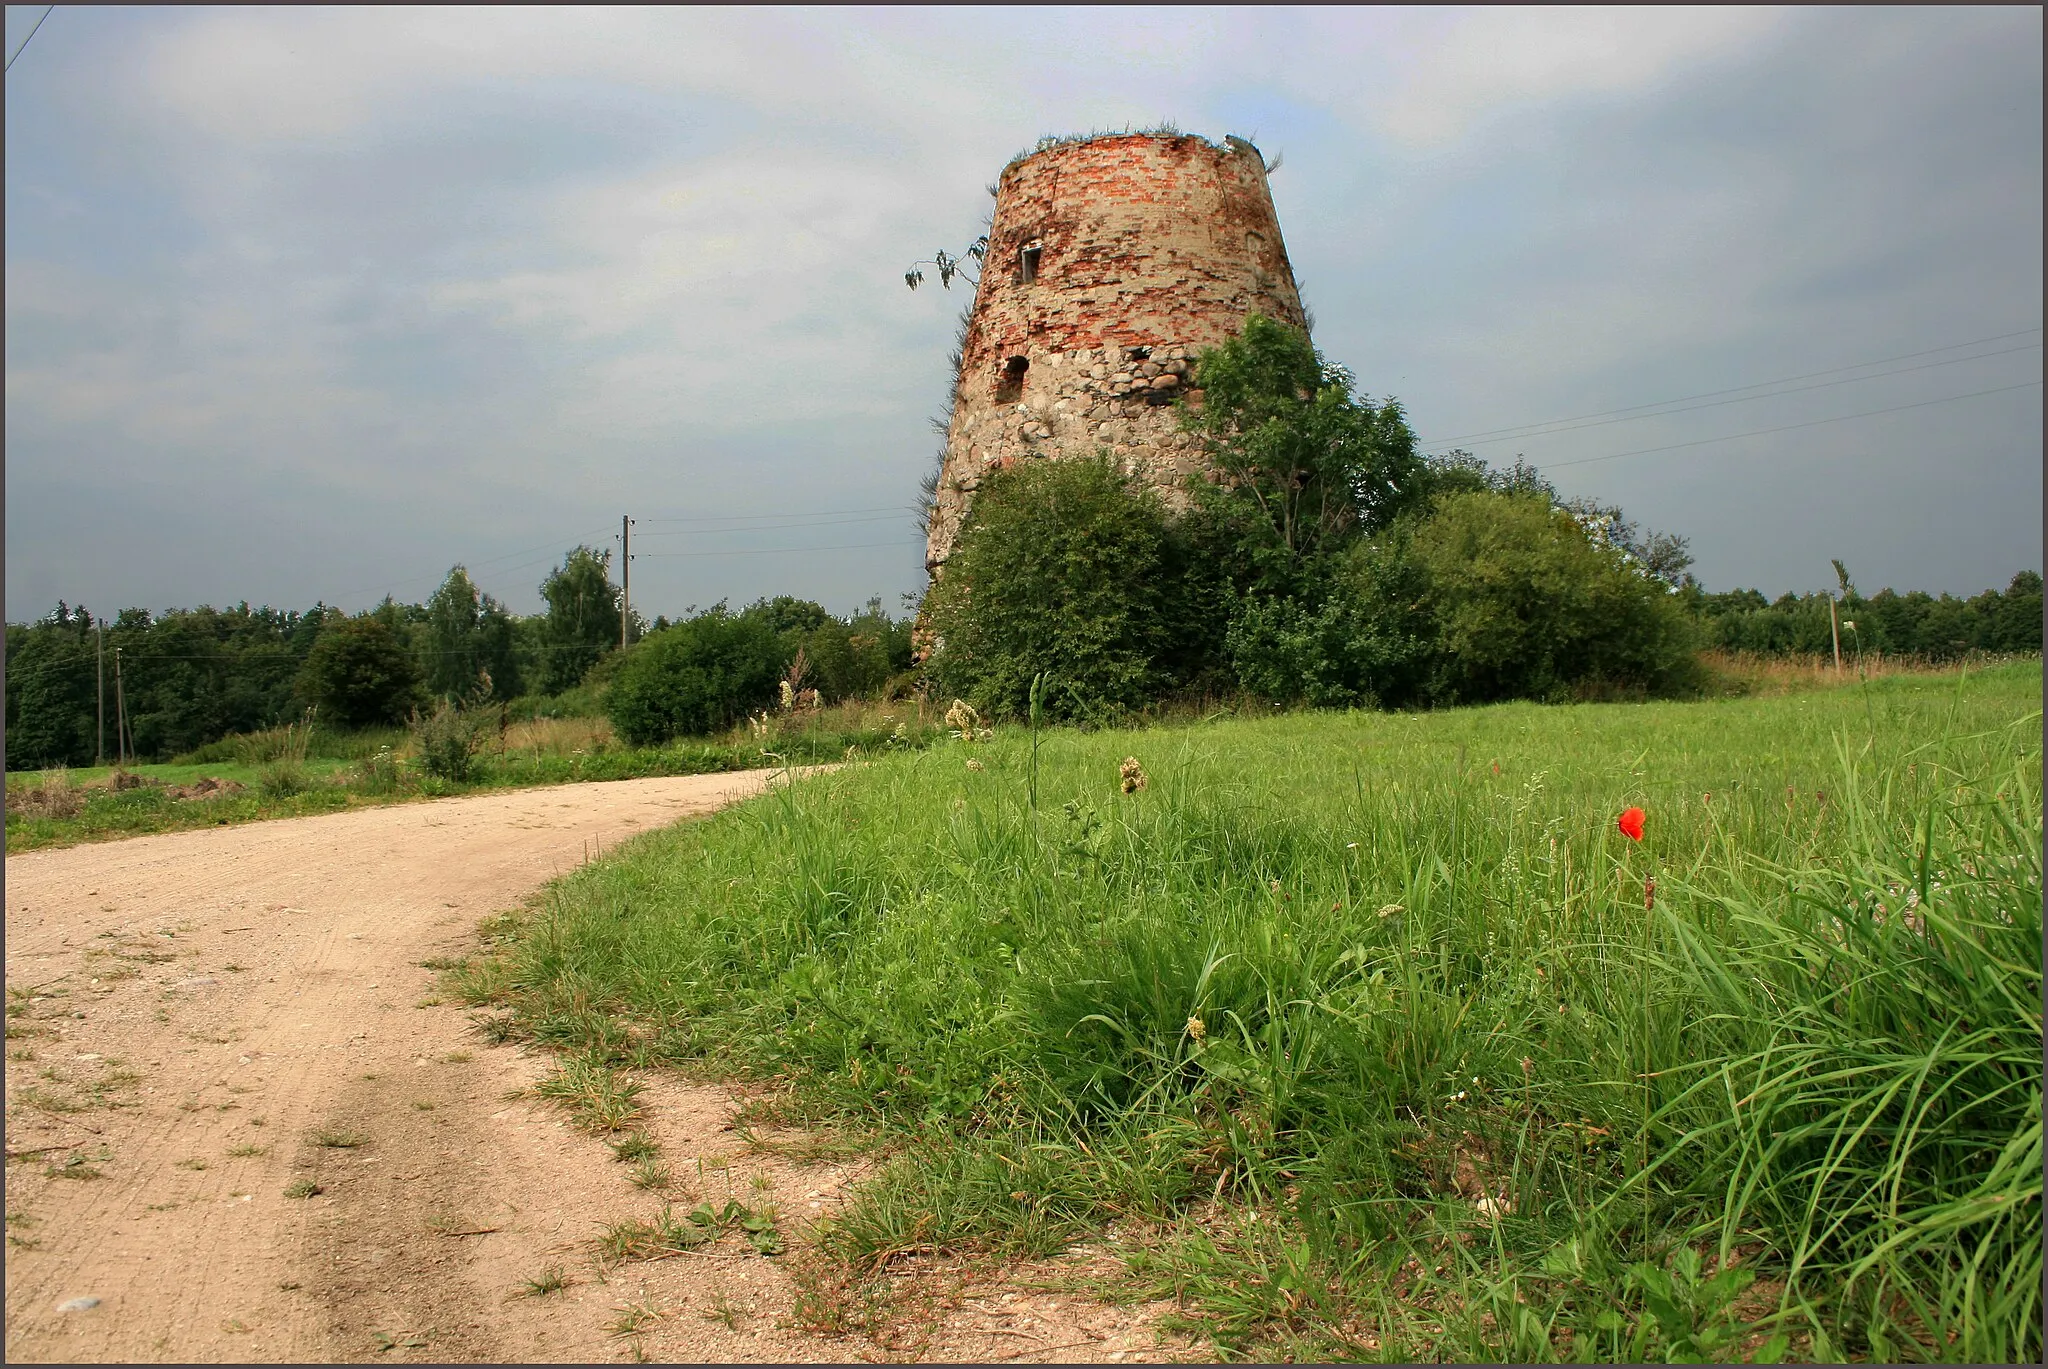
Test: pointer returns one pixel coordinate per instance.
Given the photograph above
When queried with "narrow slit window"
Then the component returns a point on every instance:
(1010, 384)
(1027, 264)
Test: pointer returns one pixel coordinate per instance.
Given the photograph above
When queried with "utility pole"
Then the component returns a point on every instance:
(120, 713)
(1835, 629)
(99, 627)
(625, 578)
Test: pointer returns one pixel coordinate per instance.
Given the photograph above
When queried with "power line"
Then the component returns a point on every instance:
(487, 566)
(759, 517)
(1745, 399)
(778, 527)
(1736, 389)
(31, 38)
(780, 551)
(1786, 428)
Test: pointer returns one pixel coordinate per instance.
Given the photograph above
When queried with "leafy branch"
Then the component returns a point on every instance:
(950, 266)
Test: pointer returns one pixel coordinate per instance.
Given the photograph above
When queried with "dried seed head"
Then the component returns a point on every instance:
(1131, 775)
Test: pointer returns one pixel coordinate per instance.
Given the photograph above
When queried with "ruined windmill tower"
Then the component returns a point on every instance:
(1111, 262)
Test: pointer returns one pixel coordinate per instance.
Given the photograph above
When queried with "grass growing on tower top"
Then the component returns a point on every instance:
(1376, 1038)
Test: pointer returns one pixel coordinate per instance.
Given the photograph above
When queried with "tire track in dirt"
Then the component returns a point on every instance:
(212, 999)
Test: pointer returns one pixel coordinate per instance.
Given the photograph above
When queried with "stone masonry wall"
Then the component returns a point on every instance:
(1148, 249)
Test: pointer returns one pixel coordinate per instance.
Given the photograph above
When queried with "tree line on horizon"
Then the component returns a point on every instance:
(1330, 563)
(193, 676)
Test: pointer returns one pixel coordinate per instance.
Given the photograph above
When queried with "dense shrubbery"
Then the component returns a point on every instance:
(1068, 568)
(696, 677)
(708, 672)
(1332, 565)
(1499, 596)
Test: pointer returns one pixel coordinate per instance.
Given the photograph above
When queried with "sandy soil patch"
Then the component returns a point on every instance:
(241, 1125)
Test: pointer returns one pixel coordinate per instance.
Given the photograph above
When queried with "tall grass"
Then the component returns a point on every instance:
(1727, 673)
(1388, 1038)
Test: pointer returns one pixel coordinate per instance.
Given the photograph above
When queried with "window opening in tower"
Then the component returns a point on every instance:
(1027, 264)
(1010, 385)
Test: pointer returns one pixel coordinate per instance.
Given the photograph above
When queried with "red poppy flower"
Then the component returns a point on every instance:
(1631, 824)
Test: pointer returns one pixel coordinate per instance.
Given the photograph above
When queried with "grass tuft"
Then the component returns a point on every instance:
(597, 1097)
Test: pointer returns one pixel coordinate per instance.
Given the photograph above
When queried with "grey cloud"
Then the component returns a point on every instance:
(286, 324)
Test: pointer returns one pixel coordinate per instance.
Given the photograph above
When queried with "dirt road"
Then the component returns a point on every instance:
(204, 1026)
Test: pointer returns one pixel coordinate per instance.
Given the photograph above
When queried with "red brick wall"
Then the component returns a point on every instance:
(1146, 241)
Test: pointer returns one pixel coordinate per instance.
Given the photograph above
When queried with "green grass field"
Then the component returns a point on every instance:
(1371, 1036)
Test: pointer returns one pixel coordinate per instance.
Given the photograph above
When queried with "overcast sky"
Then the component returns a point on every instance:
(311, 304)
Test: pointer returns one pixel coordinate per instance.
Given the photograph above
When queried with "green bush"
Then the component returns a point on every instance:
(1066, 568)
(1331, 655)
(695, 678)
(1504, 596)
(359, 674)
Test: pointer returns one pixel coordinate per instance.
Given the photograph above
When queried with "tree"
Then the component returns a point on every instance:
(582, 618)
(360, 674)
(51, 690)
(855, 657)
(786, 613)
(466, 637)
(1307, 463)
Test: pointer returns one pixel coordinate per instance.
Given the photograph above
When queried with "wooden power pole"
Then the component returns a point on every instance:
(625, 578)
(99, 628)
(120, 712)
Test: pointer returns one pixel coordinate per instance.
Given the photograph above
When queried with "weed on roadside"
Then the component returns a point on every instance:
(633, 1318)
(668, 1233)
(634, 1146)
(551, 1279)
(597, 1098)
